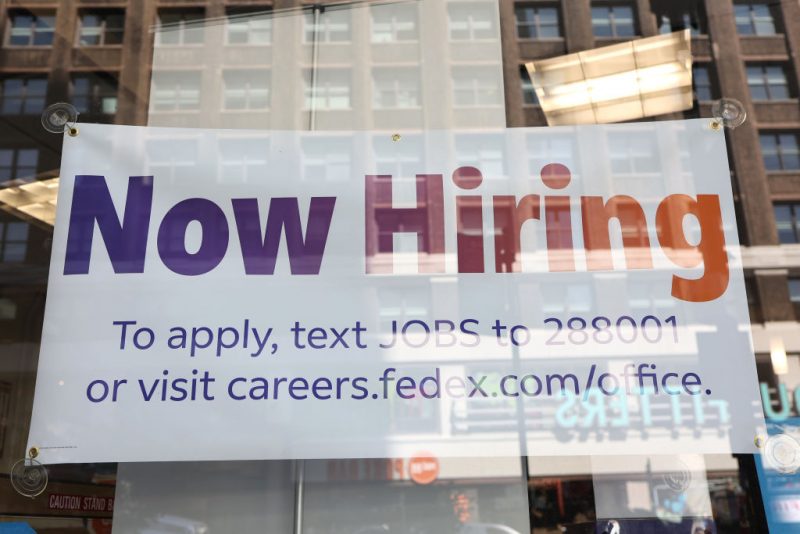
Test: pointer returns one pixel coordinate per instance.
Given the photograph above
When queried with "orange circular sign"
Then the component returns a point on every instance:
(423, 469)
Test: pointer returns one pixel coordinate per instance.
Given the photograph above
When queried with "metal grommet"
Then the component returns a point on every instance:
(759, 441)
(73, 131)
(33, 452)
(395, 137)
(715, 125)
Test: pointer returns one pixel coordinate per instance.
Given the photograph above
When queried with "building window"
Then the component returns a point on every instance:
(704, 88)
(768, 81)
(395, 88)
(781, 151)
(249, 26)
(101, 27)
(476, 87)
(31, 29)
(176, 91)
(244, 160)
(786, 221)
(246, 89)
(333, 26)
(394, 23)
(529, 97)
(694, 23)
(23, 95)
(180, 26)
(536, 21)
(794, 295)
(471, 21)
(18, 163)
(94, 93)
(754, 18)
(330, 90)
(14, 241)
(613, 20)
(633, 156)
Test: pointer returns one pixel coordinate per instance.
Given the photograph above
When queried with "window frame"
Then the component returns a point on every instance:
(26, 77)
(36, 15)
(780, 152)
(496, 34)
(234, 12)
(181, 25)
(610, 5)
(96, 94)
(536, 24)
(752, 19)
(177, 108)
(14, 166)
(101, 13)
(764, 79)
(376, 73)
(248, 90)
(393, 23)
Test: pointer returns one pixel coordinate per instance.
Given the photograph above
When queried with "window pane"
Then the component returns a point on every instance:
(783, 221)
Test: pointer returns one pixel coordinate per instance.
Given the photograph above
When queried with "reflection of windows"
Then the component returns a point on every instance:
(174, 91)
(395, 88)
(544, 149)
(529, 97)
(486, 153)
(94, 93)
(13, 241)
(794, 295)
(333, 26)
(22, 95)
(31, 29)
(633, 154)
(610, 19)
(537, 21)
(471, 21)
(331, 89)
(170, 159)
(704, 88)
(476, 86)
(180, 26)
(644, 296)
(402, 304)
(401, 160)
(562, 298)
(786, 220)
(101, 27)
(768, 81)
(246, 89)
(326, 158)
(243, 160)
(780, 151)
(687, 20)
(393, 23)
(249, 26)
(18, 163)
(754, 18)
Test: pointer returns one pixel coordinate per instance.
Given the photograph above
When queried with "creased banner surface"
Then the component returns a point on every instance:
(268, 295)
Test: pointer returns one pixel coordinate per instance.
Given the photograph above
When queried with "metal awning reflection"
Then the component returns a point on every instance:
(616, 83)
(34, 200)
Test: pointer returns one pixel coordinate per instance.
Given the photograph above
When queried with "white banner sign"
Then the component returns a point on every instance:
(225, 295)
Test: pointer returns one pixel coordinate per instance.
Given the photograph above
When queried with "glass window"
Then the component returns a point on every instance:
(537, 21)
(246, 89)
(780, 151)
(18, 163)
(754, 18)
(14, 244)
(395, 88)
(682, 21)
(333, 26)
(529, 97)
(786, 221)
(703, 86)
(31, 29)
(101, 27)
(249, 26)
(329, 89)
(94, 93)
(22, 95)
(475, 87)
(180, 26)
(470, 21)
(768, 81)
(394, 23)
(794, 295)
(613, 20)
(174, 91)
